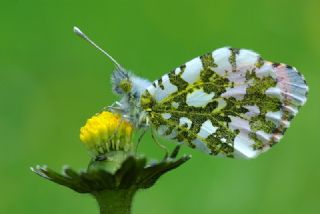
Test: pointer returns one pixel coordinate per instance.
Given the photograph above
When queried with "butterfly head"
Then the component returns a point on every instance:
(126, 83)
(121, 82)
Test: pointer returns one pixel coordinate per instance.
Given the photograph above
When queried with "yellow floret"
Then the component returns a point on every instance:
(106, 132)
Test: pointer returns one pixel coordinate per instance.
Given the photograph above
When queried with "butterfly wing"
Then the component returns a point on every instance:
(229, 102)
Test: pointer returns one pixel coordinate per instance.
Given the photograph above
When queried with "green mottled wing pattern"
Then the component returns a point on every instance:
(229, 102)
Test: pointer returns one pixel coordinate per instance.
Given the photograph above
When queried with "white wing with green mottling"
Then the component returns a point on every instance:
(229, 102)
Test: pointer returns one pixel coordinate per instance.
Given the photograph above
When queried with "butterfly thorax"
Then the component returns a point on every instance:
(130, 87)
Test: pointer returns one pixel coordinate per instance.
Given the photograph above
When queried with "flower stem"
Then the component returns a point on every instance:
(115, 201)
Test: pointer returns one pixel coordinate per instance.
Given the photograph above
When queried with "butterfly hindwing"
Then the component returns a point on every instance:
(229, 102)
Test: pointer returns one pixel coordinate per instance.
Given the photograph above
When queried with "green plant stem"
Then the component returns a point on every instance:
(115, 201)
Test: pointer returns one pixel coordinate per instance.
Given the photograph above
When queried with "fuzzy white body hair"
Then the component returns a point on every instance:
(139, 85)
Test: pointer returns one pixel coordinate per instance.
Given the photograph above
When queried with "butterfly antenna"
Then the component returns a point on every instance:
(77, 31)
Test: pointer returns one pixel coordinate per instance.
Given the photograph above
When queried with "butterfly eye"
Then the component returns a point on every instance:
(125, 85)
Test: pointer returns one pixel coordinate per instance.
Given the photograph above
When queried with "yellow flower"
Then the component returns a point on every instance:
(107, 132)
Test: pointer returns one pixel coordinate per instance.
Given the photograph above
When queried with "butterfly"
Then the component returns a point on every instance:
(229, 102)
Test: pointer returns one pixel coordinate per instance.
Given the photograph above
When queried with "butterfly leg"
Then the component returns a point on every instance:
(140, 138)
(160, 145)
(116, 130)
(114, 107)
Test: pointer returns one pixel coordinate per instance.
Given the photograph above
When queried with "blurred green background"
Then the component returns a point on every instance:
(51, 82)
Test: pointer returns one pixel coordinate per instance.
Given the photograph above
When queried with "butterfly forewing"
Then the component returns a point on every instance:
(229, 102)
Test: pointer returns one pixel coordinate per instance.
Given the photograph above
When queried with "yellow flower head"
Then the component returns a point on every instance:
(107, 132)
